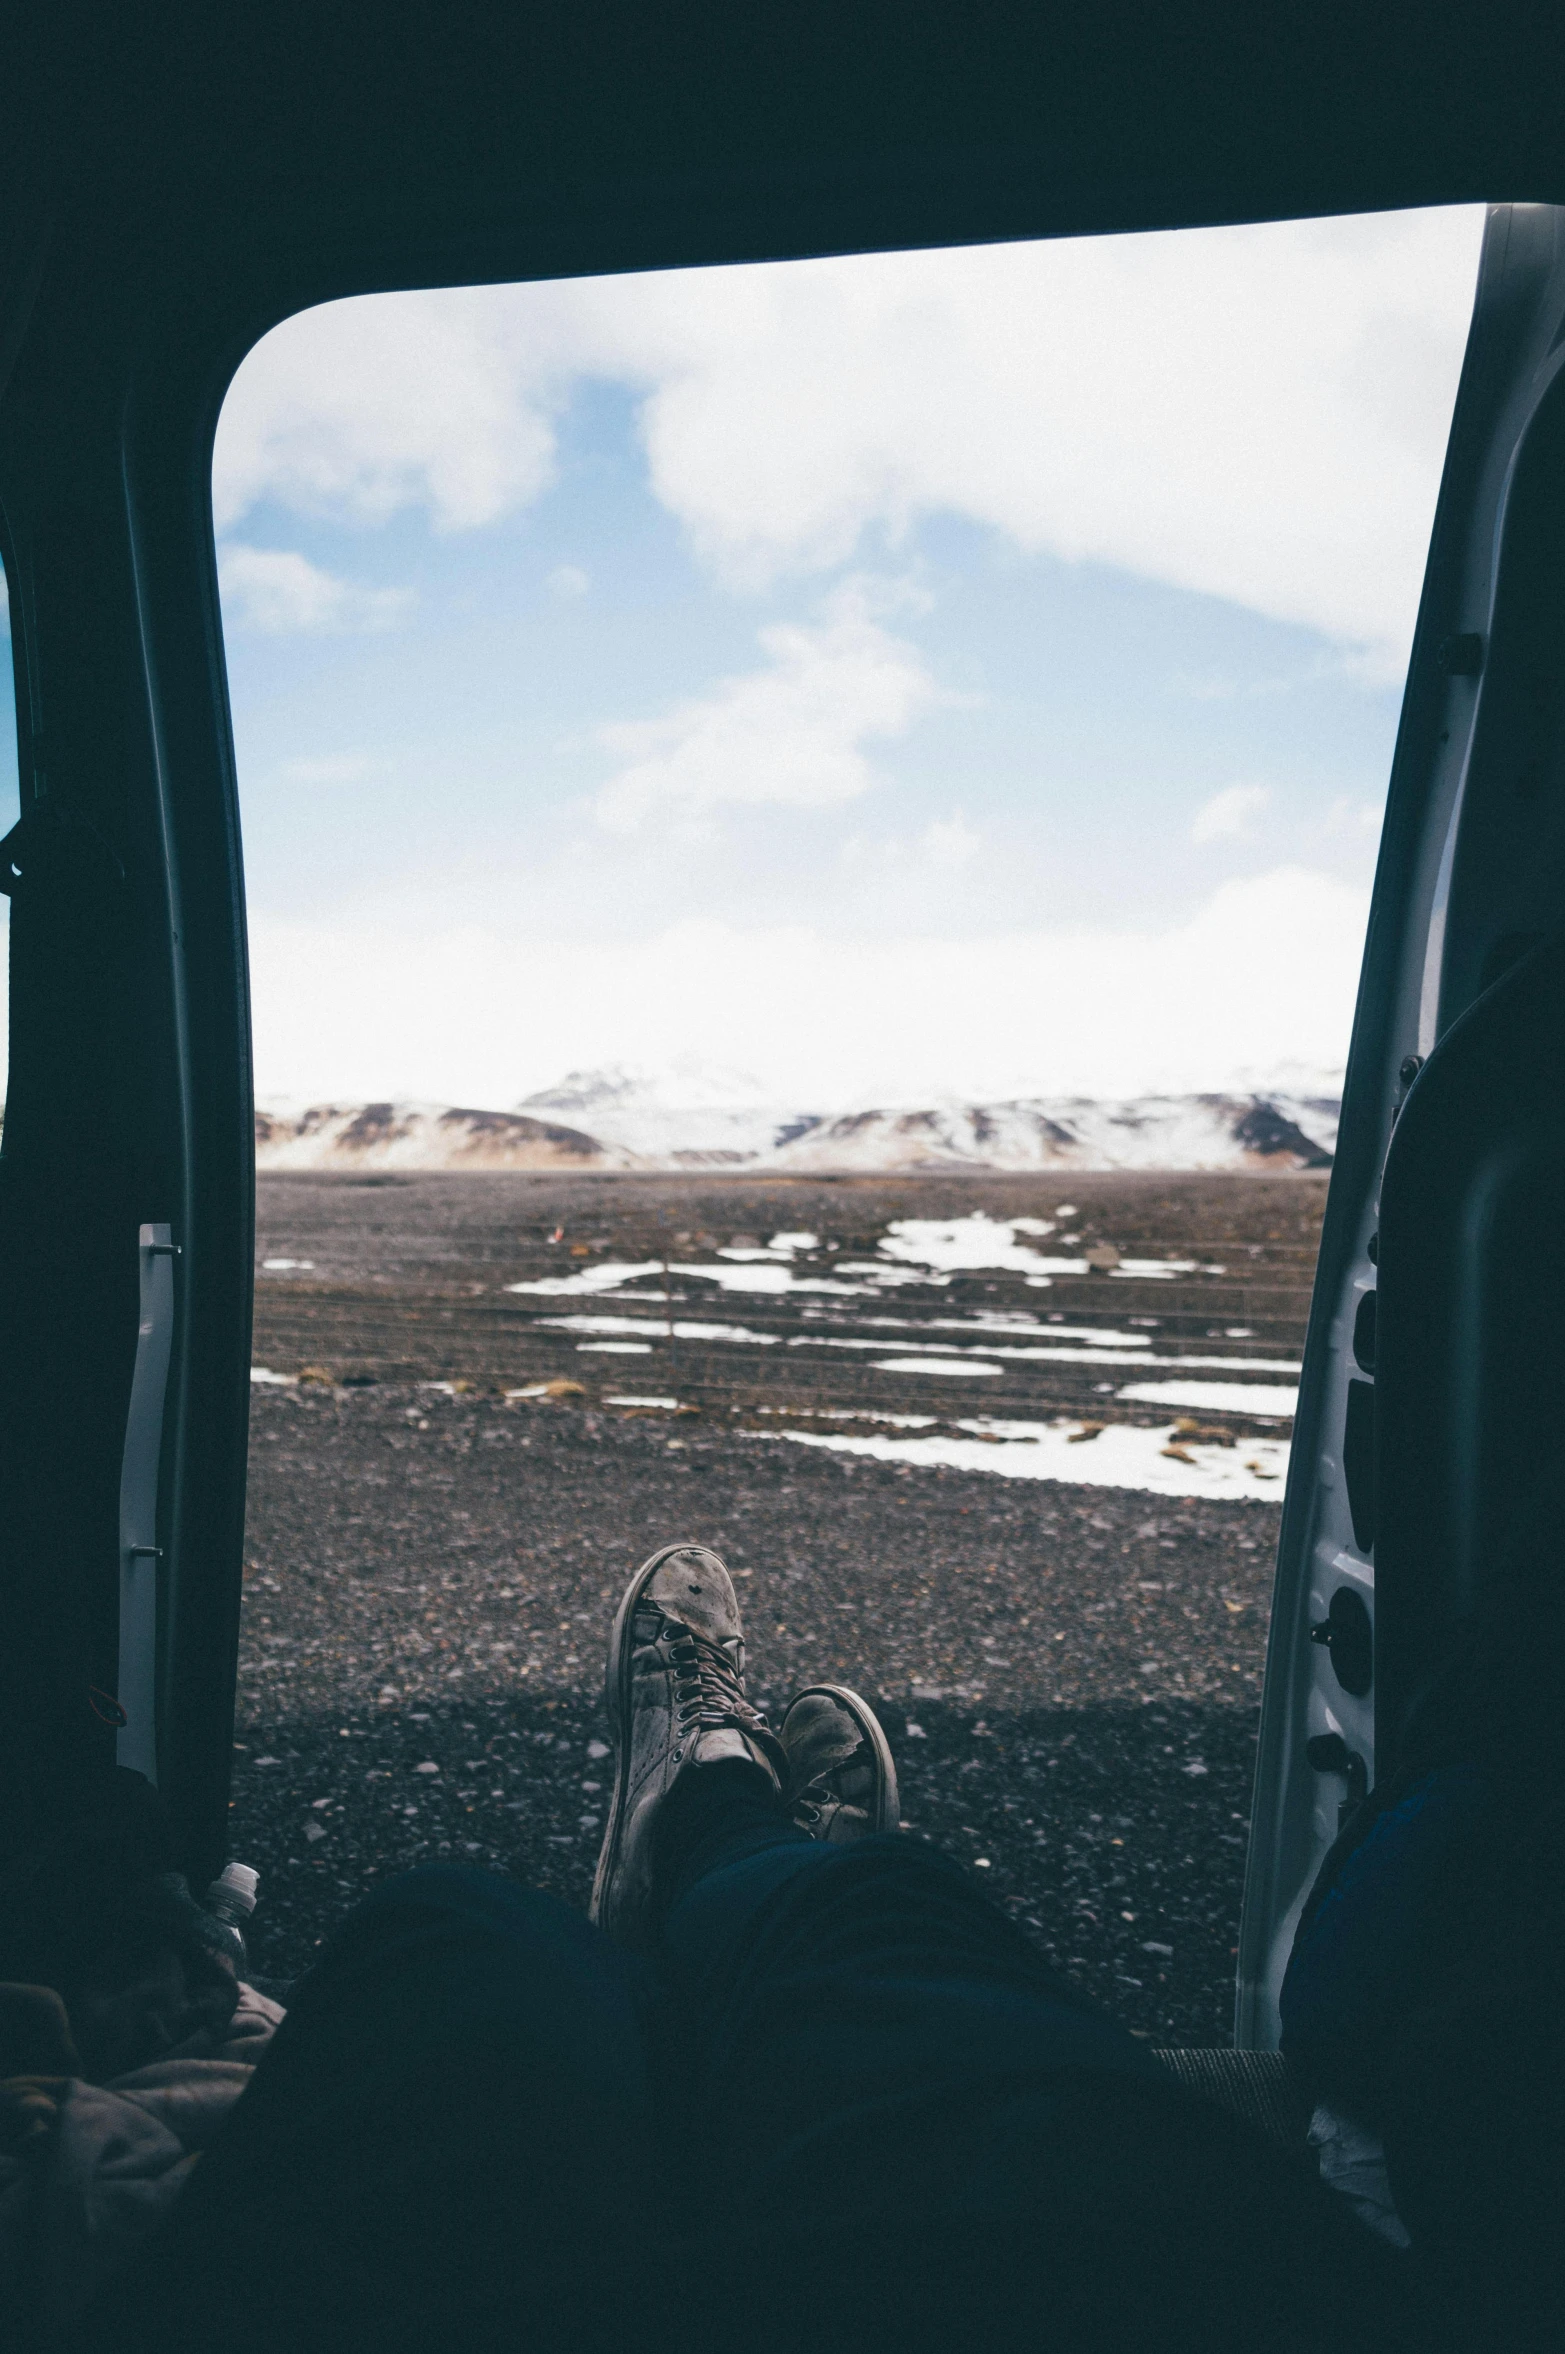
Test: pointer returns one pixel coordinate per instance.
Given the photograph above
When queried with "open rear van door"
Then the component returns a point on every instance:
(1433, 1391)
(126, 1166)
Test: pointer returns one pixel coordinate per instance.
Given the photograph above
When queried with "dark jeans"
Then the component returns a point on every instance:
(843, 2107)
(1423, 1998)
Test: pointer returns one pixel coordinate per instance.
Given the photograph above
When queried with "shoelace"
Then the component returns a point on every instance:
(849, 1786)
(709, 1688)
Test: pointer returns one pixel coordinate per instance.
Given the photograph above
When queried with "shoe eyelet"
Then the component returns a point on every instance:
(678, 1754)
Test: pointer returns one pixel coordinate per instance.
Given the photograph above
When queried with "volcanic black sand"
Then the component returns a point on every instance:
(1069, 1675)
(409, 1277)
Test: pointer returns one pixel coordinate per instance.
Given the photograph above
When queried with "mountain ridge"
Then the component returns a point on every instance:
(624, 1121)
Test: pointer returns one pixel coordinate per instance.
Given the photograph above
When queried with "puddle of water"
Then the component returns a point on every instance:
(1119, 1457)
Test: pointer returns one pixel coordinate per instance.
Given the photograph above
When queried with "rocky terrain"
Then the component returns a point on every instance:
(448, 1490)
(1069, 1679)
(914, 1312)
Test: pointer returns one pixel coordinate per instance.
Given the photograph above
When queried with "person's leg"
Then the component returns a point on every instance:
(447, 2143)
(931, 2139)
(909, 2133)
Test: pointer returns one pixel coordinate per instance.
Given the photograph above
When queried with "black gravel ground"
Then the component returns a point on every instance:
(409, 1276)
(1069, 1676)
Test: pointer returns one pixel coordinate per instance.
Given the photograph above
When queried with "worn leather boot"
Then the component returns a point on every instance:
(842, 1783)
(676, 1702)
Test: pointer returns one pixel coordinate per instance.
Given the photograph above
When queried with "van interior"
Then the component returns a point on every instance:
(177, 183)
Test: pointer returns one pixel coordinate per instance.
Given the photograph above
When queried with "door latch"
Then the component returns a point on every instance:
(1348, 1633)
(1328, 1753)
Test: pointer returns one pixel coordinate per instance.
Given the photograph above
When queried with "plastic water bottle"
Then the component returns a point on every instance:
(229, 1903)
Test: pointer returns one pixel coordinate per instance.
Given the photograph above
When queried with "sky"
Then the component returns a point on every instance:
(956, 674)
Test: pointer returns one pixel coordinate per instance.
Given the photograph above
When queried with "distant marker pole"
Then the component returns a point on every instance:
(668, 1301)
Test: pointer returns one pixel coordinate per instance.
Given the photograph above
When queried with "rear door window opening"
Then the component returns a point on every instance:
(693, 724)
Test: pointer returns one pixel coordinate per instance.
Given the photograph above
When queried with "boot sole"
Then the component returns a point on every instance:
(616, 1695)
(888, 1803)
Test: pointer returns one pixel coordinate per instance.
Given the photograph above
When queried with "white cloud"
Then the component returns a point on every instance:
(330, 768)
(950, 842)
(1229, 815)
(791, 734)
(279, 591)
(359, 408)
(569, 580)
(1353, 817)
(1261, 976)
(1255, 413)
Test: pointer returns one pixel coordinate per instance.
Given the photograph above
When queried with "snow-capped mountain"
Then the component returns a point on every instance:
(420, 1136)
(691, 1118)
(689, 1115)
(1148, 1132)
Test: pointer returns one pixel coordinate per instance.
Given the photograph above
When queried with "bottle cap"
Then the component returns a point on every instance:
(238, 1881)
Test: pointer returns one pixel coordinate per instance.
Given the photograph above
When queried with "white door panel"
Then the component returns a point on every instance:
(1471, 867)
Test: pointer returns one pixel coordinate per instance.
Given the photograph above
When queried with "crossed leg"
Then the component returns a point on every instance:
(835, 2105)
(449, 2143)
(921, 2137)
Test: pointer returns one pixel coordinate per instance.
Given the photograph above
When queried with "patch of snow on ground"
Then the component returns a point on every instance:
(604, 1278)
(1119, 1457)
(772, 1278)
(954, 1245)
(1053, 1356)
(1236, 1397)
(933, 1364)
(659, 1330)
(1002, 1326)
(887, 1275)
(855, 1414)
